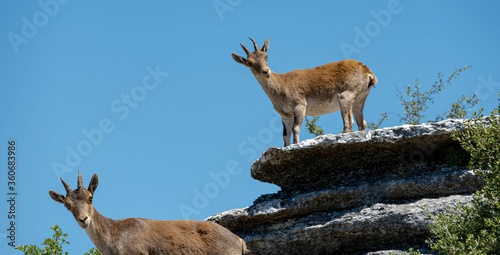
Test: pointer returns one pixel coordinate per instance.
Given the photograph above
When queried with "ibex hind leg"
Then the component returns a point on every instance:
(346, 107)
(357, 110)
(358, 115)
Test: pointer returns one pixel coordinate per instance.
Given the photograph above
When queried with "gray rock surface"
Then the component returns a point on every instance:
(443, 181)
(372, 227)
(424, 251)
(355, 193)
(325, 160)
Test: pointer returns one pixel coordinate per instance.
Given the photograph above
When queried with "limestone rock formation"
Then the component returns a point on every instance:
(356, 193)
(326, 160)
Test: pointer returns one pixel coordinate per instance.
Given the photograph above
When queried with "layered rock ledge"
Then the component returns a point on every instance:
(355, 193)
(375, 227)
(331, 160)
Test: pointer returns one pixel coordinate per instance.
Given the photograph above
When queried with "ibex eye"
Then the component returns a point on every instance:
(67, 206)
(90, 199)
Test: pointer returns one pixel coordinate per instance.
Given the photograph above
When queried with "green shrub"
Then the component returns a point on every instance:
(312, 127)
(457, 158)
(416, 102)
(474, 229)
(52, 245)
(411, 251)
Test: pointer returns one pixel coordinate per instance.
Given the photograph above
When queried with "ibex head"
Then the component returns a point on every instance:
(256, 61)
(79, 201)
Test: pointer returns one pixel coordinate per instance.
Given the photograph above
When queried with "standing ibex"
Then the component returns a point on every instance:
(321, 90)
(142, 236)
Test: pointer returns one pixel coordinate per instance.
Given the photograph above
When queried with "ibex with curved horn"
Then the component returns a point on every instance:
(321, 90)
(143, 236)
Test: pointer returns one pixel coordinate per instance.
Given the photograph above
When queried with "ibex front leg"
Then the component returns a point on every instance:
(287, 129)
(299, 114)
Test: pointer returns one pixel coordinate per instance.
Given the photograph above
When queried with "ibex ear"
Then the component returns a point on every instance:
(239, 59)
(265, 47)
(56, 197)
(93, 184)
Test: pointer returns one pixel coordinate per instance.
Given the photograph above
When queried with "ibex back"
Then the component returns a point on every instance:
(342, 85)
(143, 236)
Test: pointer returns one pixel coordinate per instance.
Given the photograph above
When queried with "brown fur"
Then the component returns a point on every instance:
(321, 90)
(144, 236)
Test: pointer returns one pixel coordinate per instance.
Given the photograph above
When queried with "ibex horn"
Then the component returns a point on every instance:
(254, 44)
(66, 186)
(80, 182)
(247, 51)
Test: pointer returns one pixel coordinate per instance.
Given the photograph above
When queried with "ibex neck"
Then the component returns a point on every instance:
(271, 85)
(99, 232)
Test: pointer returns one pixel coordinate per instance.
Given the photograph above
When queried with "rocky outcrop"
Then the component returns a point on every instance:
(356, 193)
(363, 229)
(332, 160)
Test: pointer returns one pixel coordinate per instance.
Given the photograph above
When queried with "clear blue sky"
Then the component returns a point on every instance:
(147, 95)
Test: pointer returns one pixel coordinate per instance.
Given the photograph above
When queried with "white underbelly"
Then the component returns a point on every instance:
(315, 107)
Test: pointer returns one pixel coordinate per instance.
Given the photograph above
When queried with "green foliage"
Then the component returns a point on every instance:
(459, 109)
(52, 245)
(457, 158)
(411, 251)
(474, 229)
(373, 125)
(313, 128)
(416, 102)
(92, 251)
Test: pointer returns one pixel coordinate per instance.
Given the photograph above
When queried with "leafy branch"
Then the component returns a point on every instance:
(459, 109)
(313, 128)
(416, 102)
(53, 246)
